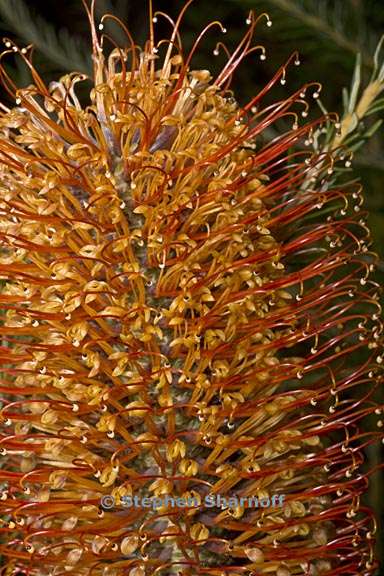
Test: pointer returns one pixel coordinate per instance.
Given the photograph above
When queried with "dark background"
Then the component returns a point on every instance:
(327, 33)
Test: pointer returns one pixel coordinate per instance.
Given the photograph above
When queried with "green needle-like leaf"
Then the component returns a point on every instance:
(60, 47)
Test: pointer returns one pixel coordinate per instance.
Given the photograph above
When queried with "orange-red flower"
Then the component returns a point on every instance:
(186, 311)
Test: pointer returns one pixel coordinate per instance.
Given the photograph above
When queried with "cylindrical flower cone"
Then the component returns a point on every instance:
(187, 313)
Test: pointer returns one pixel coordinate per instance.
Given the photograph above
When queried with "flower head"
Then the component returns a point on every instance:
(180, 319)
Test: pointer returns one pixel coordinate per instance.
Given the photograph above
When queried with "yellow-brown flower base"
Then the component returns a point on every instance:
(186, 311)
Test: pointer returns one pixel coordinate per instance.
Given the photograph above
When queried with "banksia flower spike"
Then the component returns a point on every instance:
(187, 313)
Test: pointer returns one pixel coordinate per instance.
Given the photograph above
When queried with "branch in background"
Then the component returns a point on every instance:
(314, 16)
(68, 52)
(320, 24)
(353, 133)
